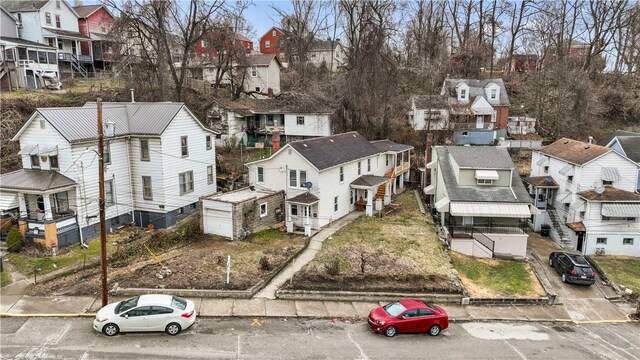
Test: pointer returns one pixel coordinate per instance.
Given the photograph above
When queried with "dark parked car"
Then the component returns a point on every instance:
(408, 316)
(573, 268)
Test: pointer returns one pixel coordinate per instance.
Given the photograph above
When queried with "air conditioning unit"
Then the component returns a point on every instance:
(600, 251)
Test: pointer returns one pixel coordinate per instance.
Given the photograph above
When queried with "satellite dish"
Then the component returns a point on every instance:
(308, 185)
(599, 189)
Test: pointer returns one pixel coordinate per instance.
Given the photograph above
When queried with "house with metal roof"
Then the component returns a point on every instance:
(328, 177)
(158, 163)
(478, 109)
(588, 195)
(626, 143)
(480, 203)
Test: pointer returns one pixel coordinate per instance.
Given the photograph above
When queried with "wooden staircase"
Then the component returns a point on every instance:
(382, 188)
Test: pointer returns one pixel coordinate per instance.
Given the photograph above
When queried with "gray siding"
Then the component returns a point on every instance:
(475, 137)
(8, 25)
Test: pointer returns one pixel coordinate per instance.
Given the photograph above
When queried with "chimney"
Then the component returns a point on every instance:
(77, 3)
(133, 100)
(590, 139)
(275, 141)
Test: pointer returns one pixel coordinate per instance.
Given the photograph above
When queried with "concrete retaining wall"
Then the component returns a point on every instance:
(364, 296)
(509, 301)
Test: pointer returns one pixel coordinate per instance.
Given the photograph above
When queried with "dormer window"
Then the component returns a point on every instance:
(494, 94)
(463, 94)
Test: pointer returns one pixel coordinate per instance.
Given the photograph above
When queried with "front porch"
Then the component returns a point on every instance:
(369, 188)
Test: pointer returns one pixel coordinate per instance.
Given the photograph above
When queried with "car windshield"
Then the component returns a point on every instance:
(127, 304)
(178, 303)
(394, 309)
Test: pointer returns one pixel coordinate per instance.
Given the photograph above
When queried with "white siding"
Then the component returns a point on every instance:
(68, 20)
(197, 161)
(152, 168)
(613, 230)
(34, 135)
(314, 125)
(31, 28)
(8, 25)
(267, 77)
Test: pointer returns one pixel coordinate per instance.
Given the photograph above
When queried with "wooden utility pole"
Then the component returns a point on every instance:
(103, 225)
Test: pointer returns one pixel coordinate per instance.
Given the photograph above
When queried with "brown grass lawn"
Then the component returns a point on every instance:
(399, 252)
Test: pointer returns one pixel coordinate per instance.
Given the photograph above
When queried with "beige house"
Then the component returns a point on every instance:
(330, 53)
(264, 74)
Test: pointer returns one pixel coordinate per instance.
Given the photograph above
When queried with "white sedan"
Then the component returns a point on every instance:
(146, 313)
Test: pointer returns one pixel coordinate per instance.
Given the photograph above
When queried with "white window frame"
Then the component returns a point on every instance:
(145, 188)
(335, 204)
(627, 241)
(143, 156)
(263, 210)
(273, 33)
(260, 174)
(463, 94)
(58, 4)
(254, 71)
(494, 94)
(601, 241)
(209, 174)
(298, 178)
(51, 165)
(208, 142)
(368, 165)
(341, 174)
(184, 146)
(108, 192)
(484, 182)
(299, 120)
(35, 164)
(47, 18)
(267, 44)
(186, 179)
(359, 167)
(294, 210)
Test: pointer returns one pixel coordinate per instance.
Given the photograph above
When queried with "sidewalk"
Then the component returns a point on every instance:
(587, 311)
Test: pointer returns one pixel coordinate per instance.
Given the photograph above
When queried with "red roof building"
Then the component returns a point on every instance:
(210, 43)
(272, 43)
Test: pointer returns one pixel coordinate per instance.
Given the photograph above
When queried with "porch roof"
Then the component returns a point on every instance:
(490, 210)
(304, 198)
(369, 181)
(8, 201)
(542, 181)
(66, 34)
(577, 226)
(34, 180)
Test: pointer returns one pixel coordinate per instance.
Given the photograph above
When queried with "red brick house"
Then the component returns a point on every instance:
(95, 22)
(524, 62)
(272, 43)
(208, 44)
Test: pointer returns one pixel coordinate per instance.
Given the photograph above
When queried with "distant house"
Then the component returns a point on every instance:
(585, 192)
(626, 143)
(429, 112)
(326, 178)
(272, 42)
(96, 22)
(329, 53)
(478, 109)
(157, 166)
(208, 44)
(481, 202)
(256, 120)
(577, 51)
(55, 24)
(521, 125)
(524, 62)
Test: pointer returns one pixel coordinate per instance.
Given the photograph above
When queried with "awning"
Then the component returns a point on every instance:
(610, 174)
(29, 150)
(564, 196)
(429, 190)
(306, 198)
(567, 170)
(534, 210)
(48, 150)
(487, 175)
(621, 210)
(577, 226)
(491, 210)
(431, 164)
(578, 206)
(542, 160)
(442, 205)
(8, 201)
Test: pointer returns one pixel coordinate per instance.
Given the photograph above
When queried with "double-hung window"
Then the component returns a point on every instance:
(35, 162)
(186, 182)
(53, 162)
(108, 192)
(300, 120)
(297, 178)
(359, 167)
(106, 154)
(341, 174)
(368, 165)
(208, 140)
(260, 174)
(184, 146)
(335, 204)
(209, 174)
(144, 149)
(147, 192)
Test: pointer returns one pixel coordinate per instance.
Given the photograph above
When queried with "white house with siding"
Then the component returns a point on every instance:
(158, 164)
(326, 178)
(587, 193)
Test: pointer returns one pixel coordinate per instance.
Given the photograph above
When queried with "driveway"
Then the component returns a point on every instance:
(542, 247)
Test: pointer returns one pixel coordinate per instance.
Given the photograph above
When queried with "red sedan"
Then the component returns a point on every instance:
(408, 316)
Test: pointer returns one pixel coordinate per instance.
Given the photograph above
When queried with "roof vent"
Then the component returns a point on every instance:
(566, 141)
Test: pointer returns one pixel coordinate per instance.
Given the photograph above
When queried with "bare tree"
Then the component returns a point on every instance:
(518, 14)
(601, 22)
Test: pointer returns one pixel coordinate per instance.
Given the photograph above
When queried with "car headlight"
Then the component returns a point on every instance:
(380, 322)
(101, 318)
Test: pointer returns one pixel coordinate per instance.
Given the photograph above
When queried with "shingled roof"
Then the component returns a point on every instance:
(86, 10)
(573, 151)
(23, 5)
(430, 101)
(476, 89)
(330, 151)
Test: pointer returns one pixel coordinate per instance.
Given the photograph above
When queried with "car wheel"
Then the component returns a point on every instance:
(564, 278)
(111, 329)
(173, 329)
(550, 262)
(434, 330)
(391, 331)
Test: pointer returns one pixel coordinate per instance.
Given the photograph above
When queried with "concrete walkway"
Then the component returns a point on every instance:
(315, 244)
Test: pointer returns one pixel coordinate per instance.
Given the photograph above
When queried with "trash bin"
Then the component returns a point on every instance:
(544, 229)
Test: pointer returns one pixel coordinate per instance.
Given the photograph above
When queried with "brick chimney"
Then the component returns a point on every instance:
(275, 141)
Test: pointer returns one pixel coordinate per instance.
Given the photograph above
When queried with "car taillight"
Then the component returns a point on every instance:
(572, 272)
(187, 315)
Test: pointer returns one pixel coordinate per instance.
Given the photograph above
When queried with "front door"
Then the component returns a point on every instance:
(479, 122)
(580, 242)
(74, 48)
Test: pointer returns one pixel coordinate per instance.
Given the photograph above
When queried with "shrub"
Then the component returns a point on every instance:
(14, 240)
(264, 264)
(333, 268)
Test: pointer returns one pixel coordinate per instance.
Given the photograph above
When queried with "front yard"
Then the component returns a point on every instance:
(621, 270)
(496, 278)
(397, 253)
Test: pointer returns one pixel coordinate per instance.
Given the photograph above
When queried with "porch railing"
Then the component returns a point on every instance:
(469, 230)
(33, 217)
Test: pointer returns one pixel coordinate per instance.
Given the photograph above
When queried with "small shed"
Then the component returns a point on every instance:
(237, 213)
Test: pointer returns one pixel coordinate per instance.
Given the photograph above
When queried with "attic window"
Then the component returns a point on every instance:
(494, 94)
(42, 124)
(463, 94)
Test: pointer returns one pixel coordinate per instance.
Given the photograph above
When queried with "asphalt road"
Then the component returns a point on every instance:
(242, 338)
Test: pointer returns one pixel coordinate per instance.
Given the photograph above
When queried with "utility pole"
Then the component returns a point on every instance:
(103, 225)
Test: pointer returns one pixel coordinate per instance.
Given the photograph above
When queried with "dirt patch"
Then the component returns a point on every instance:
(200, 264)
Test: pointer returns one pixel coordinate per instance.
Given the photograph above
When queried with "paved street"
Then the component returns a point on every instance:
(278, 338)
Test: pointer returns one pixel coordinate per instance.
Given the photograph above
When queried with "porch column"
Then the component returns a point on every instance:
(369, 208)
(535, 201)
(48, 214)
(307, 221)
(23, 205)
(387, 193)
(289, 220)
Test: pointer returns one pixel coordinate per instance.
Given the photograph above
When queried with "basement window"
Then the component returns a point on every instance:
(263, 210)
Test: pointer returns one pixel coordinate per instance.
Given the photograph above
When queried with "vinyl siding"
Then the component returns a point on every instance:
(152, 168)
(614, 230)
(34, 135)
(31, 27)
(314, 125)
(8, 25)
(197, 161)
(68, 20)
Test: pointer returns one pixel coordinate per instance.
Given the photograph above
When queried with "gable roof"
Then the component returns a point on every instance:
(34, 180)
(329, 151)
(79, 123)
(574, 151)
(23, 5)
(616, 134)
(387, 145)
(262, 59)
(476, 88)
(272, 28)
(284, 103)
(10, 15)
(430, 101)
(493, 158)
(324, 45)
(631, 146)
(84, 11)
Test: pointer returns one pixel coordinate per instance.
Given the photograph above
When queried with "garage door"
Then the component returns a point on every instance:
(218, 222)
